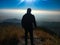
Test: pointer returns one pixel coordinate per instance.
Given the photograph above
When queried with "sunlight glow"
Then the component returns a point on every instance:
(29, 1)
(20, 1)
(26, 1)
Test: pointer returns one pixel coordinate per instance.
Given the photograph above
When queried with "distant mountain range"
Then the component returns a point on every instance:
(53, 26)
(13, 21)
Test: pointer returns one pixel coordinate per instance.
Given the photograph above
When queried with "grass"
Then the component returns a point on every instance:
(10, 30)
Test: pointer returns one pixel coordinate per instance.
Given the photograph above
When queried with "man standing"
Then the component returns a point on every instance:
(28, 22)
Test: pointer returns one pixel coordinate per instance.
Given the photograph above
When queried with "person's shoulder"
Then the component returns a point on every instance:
(32, 15)
(24, 14)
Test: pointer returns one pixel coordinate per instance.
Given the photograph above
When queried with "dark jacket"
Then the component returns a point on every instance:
(28, 21)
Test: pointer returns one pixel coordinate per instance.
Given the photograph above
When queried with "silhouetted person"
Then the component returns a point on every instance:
(28, 22)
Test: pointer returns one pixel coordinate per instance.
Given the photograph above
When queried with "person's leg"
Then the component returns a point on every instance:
(26, 36)
(31, 36)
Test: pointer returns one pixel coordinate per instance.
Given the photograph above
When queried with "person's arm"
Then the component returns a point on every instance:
(34, 22)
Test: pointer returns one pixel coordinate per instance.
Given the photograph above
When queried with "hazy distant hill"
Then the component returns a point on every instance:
(47, 26)
(13, 21)
(53, 26)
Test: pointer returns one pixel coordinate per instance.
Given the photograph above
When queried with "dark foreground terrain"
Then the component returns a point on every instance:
(14, 35)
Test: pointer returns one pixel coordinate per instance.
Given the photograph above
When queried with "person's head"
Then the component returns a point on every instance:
(29, 10)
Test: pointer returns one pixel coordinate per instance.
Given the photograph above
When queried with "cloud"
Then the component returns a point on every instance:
(41, 15)
(33, 11)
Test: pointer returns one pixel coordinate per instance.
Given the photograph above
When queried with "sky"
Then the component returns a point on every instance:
(34, 4)
(43, 10)
(40, 15)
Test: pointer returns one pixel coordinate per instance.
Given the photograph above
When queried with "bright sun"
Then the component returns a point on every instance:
(27, 1)
(22, 1)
